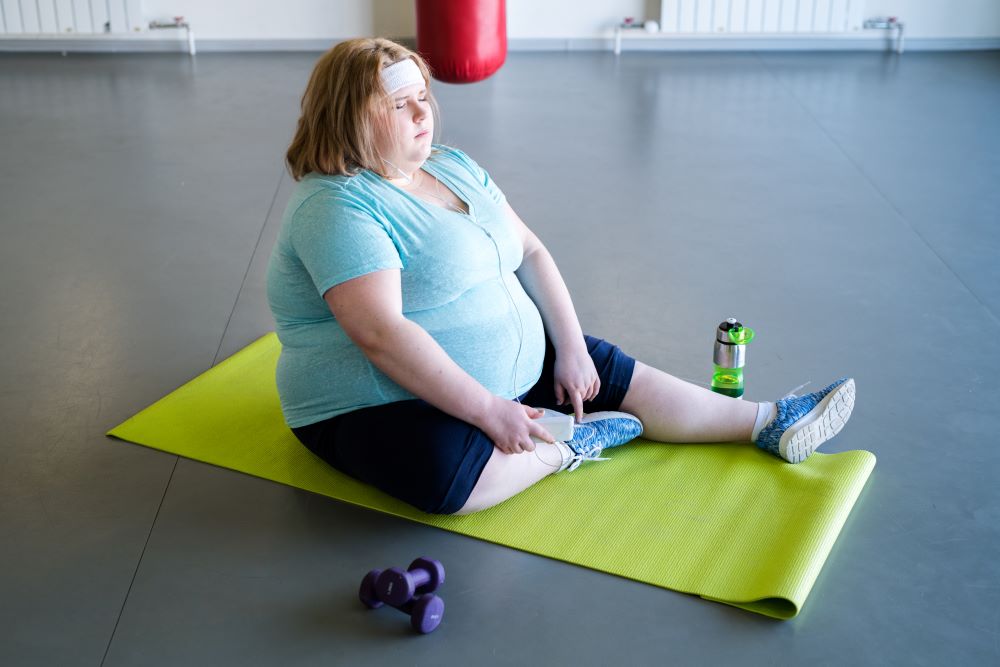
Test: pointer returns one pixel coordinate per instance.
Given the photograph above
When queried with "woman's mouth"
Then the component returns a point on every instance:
(422, 134)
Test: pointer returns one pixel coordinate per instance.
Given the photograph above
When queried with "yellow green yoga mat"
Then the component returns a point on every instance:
(727, 522)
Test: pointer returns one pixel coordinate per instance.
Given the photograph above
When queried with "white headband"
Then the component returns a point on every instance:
(400, 75)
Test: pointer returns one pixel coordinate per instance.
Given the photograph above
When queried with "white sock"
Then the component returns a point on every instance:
(765, 413)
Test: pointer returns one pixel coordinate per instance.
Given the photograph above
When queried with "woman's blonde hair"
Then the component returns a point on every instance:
(345, 109)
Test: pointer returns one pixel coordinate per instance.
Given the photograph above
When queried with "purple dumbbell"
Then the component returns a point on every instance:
(396, 587)
(425, 612)
(367, 592)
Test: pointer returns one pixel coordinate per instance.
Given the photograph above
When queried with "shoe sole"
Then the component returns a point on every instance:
(818, 425)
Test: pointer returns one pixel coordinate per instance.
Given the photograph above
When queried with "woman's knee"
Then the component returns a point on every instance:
(506, 475)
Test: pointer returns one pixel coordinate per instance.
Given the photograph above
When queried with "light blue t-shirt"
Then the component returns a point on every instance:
(457, 279)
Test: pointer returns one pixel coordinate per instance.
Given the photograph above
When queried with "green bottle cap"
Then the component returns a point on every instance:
(741, 335)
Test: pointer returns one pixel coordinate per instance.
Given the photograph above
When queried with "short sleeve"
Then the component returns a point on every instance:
(480, 174)
(338, 238)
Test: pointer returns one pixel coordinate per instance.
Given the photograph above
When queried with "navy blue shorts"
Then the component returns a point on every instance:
(431, 460)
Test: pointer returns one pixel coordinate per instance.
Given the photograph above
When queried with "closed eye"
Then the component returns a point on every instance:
(402, 105)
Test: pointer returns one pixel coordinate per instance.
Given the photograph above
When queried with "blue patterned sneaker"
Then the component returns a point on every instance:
(599, 431)
(803, 423)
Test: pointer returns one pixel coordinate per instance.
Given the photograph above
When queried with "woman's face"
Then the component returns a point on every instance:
(412, 126)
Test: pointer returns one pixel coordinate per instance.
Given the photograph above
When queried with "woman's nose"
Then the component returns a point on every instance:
(419, 112)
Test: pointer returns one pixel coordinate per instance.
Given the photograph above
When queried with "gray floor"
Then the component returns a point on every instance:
(844, 205)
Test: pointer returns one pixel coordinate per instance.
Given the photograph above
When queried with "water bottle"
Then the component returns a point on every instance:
(729, 356)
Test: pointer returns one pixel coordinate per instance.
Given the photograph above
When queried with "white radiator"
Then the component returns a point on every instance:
(52, 18)
(719, 17)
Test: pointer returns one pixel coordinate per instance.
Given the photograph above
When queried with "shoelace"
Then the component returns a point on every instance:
(577, 458)
(791, 393)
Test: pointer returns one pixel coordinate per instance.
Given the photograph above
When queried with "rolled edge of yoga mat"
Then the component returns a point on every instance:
(785, 608)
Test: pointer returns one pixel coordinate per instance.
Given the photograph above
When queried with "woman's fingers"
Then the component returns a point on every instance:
(516, 435)
(539, 432)
(577, 393)
(519, 447)
(595, 389)
(576, 398)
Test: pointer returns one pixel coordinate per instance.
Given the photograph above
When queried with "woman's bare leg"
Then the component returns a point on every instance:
(506, 475)
(672, 410)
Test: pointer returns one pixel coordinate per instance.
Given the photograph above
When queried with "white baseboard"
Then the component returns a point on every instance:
(763, 42)
(146, 42)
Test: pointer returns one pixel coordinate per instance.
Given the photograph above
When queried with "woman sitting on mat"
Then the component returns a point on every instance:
(424, 326)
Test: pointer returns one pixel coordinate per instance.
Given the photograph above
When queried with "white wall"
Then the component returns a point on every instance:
(941, 18)
(289, 19)
(584, 22)
(538, 19)
(572, 18)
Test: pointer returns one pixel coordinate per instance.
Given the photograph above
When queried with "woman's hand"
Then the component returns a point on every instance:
(576, 378)
(509, 425)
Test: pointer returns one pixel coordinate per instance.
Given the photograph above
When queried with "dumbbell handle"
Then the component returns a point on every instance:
(406, 607)
(396, 586)
(420, 577)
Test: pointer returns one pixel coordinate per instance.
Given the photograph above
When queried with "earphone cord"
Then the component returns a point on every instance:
(503, 283)
(413, 181)
(520, 338)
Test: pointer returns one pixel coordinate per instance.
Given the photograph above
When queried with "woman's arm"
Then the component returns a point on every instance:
(370, 310)
(576, 378)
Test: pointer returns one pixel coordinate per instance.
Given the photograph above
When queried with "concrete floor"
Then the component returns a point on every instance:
(844, 205)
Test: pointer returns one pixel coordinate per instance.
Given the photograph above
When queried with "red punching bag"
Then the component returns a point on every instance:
(462, 40)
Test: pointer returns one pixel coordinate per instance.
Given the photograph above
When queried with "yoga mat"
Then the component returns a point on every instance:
(728, 522)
